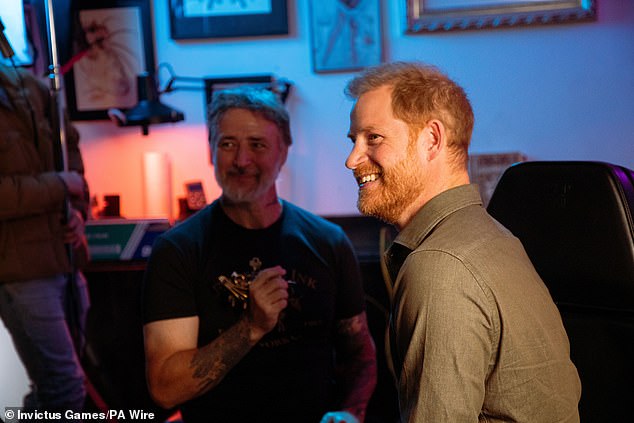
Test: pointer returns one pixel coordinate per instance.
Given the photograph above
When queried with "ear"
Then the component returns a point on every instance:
(283, 153)
(211, 152)
(436, 138)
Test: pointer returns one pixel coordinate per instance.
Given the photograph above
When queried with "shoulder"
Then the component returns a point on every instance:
(311, 223)
(468, 232)
(34, 83)
(191, 231)
(468, 248)
(14, 79)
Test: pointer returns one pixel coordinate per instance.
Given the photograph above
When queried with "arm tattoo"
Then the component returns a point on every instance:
(356, 363)
(212, 362)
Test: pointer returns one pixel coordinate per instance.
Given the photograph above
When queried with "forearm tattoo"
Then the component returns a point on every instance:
(356, 360)
(212, 362)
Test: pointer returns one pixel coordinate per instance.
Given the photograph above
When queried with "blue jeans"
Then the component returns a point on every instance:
(34, 312)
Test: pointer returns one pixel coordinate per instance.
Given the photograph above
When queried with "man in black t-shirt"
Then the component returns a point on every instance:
(253, 307)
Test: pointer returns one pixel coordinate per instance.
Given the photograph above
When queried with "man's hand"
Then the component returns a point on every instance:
(339, 417)
(74, 230)
(268, 296)
(74, 182)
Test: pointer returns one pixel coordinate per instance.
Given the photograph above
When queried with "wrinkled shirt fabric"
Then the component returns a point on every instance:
(474, 333)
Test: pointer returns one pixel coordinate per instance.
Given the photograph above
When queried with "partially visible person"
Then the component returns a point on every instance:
(36, 301)
(474, 333)
(253, 307)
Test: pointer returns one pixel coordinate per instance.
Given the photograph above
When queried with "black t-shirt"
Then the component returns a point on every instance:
(288, 376)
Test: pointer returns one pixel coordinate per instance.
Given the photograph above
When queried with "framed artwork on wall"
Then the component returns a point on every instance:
(191, 19)
(439, 15)
(280, 87)
(112, 43)
(345, 34)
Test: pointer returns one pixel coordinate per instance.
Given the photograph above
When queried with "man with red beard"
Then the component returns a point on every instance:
(253, 307)
(474, 334)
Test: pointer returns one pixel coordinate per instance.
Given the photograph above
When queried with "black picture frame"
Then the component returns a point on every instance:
(245, 24)
(280, 87)
(107, 39)
(435, 15)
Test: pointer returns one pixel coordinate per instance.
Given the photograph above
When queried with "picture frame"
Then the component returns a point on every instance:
(345, 34)
(111, 44)
(280, 87)
(195, 19)
(444, 15)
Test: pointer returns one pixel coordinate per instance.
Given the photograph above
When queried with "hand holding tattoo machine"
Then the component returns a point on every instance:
(238, 284)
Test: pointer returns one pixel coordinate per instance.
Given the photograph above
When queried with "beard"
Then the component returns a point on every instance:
(397, 187)
(237, 192)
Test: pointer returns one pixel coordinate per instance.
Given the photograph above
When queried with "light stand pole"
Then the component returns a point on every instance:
(56, 88)
(58, 128)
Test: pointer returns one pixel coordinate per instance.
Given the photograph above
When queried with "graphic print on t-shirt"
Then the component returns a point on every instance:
(238, 284)
(236, 287)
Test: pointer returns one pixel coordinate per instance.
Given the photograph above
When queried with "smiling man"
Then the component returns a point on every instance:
(253, 307)
(474, 333)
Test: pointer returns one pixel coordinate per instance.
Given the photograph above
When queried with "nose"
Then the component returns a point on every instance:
(356, 156)
(242, 157)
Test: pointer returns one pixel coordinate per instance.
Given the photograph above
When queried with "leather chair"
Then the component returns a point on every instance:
(575, 221)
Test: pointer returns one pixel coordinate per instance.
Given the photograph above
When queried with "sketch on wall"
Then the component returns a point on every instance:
(105, 76)
(346, 34)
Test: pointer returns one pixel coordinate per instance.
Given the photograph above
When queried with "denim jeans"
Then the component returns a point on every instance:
(35, 314)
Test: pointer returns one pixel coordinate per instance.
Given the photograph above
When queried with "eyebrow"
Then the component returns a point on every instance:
(368, 128)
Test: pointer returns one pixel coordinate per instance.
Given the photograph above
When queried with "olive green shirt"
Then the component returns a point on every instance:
(474, 333)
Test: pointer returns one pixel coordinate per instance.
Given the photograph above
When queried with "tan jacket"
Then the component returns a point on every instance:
(31, 194)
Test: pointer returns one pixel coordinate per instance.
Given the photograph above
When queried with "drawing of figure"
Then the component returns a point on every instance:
(111, 56)
(348, 34)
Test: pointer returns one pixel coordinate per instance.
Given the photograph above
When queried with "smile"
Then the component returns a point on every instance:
(362, 180)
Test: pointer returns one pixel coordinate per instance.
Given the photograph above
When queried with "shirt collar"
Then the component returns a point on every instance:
(434, 211)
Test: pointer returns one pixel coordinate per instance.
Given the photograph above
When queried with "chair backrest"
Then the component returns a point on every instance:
(575, 222)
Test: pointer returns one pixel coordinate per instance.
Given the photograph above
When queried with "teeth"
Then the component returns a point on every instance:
(368, 178)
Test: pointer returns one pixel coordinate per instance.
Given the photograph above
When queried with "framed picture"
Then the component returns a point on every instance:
(191, 19)
(485, 170)
(111, 44)
(265, 81)
(438, 15)
(345, 34)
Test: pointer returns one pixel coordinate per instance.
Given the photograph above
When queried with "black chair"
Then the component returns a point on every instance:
(575, 221)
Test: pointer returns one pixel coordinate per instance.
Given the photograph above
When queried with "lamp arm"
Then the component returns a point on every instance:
(188, 83)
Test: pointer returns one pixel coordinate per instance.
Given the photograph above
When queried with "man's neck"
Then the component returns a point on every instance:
(447, 182)
(253, 215)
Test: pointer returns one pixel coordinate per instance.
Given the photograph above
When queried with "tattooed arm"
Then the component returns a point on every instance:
(177, 370)
(356, 366)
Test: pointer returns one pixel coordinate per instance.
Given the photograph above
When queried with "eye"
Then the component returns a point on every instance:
(258, 145)
(374, 138)
(226, 144)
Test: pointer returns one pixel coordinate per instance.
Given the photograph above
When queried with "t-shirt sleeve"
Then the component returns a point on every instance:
(168, 290)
